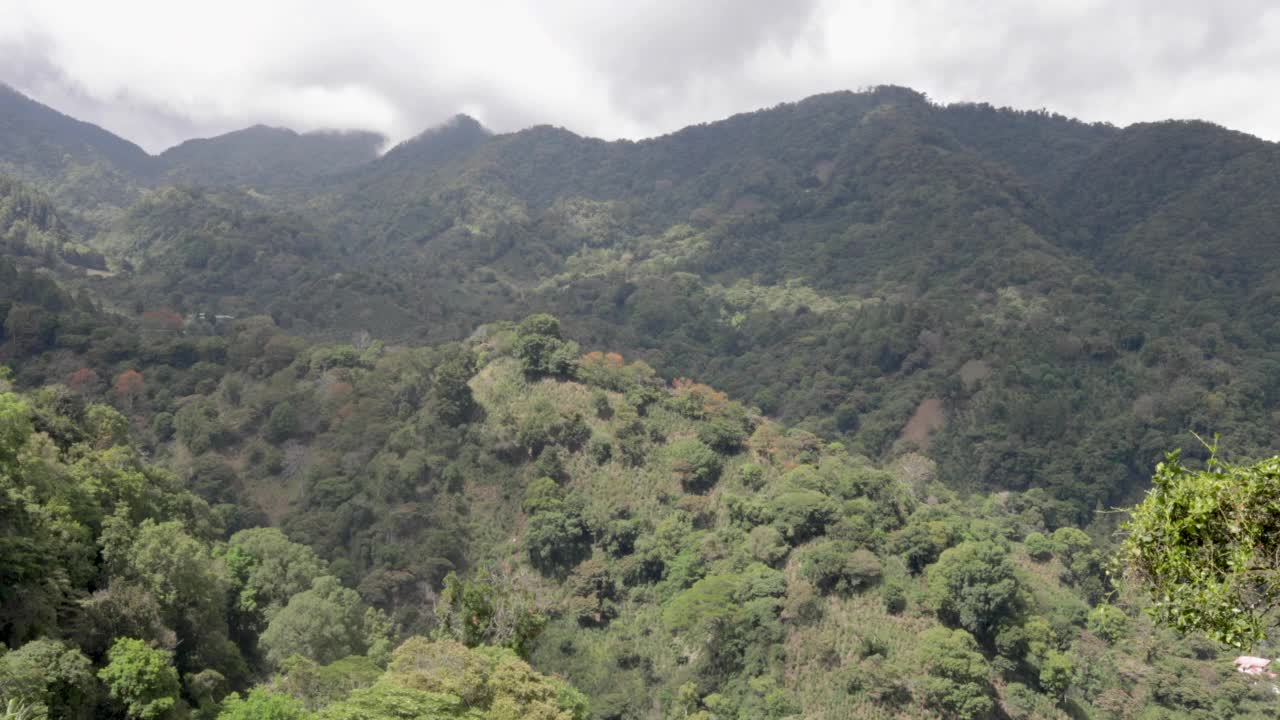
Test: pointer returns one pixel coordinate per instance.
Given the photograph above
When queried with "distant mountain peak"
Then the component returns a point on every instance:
(453, 137)
(265, 156)
(459, 125)
(463, 120)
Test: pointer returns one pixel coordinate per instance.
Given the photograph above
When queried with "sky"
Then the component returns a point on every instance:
(159, 72)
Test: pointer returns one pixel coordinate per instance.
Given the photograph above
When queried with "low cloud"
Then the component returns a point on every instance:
(161, 72)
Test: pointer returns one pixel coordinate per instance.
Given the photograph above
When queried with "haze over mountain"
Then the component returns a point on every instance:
(159, 74)
(838, 394)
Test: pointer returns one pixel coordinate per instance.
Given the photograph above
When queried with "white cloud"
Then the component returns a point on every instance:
(158, 72)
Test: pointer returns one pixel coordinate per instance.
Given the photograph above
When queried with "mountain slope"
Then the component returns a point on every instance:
(842, 262)
(81, 165)
(1051, 301)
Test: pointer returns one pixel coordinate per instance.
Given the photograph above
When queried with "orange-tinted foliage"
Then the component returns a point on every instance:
(129, 384)
(163, 319)
(706, 397)
(83, 380)
(599, 359)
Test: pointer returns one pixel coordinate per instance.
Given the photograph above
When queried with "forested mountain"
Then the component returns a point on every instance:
(266, 158)
(92, 171)
(284, 414)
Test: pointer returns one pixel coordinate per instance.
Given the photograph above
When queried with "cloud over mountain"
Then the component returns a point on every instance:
(159, 73)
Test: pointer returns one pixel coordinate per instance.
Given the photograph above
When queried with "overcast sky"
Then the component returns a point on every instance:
(160, 72)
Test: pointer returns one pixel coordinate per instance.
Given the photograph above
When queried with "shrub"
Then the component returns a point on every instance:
(894, 593)
(1203, 546)
(751, 476)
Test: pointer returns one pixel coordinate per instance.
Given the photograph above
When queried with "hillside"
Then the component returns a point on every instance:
(1058, 302)
(662, 547)
(895, 242)
(839, 399)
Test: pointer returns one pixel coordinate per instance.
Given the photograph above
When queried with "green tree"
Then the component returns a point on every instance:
(802, 514)
(189, 585)
(15, 426)
(446, 679)
(262, 704)
(489, 611)
(725, 433)
(556, 541)
(49, 676)
(283, 423)
(1057, 672)
(453, 401)
(956, 680)
(324, 624)
(106, 426)
(1108, 622)
(694, 464)
(142, 679)
(316, 686)
(835, 568)
(268, 569)
(973, 586)
(541, 349)
(199, 426)
(390, 701)
(1039, 547)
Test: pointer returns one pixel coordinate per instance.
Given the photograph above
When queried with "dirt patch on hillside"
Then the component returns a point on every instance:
(973, 372)
(928, 417)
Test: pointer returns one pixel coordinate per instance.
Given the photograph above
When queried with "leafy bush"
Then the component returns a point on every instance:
(1202, 544)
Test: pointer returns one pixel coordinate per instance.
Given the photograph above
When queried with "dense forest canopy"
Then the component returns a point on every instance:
(820, 411)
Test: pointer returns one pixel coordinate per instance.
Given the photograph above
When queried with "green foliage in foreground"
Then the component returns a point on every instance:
(142, 679)
(262, 704)
(1205, 544)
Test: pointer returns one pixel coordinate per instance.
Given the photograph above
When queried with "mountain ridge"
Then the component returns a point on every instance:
(876, 225)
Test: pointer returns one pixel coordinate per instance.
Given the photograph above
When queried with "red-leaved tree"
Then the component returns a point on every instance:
(128, 388)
